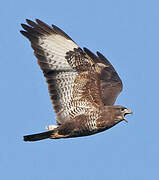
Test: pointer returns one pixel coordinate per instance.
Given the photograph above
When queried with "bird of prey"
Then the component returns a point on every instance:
(83, 86)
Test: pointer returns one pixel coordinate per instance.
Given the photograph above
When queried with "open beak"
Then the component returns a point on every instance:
(127, 111)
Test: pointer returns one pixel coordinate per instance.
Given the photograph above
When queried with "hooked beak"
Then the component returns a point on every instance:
(127, 111)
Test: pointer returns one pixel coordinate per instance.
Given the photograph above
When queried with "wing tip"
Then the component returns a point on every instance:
(43, 28)
(91, 55)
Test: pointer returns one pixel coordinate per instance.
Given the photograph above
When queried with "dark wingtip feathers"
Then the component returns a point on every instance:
(91, 55)
(39, 28)
(61, 32)
(24, 33)
(40, 22)
(31, 23)
(103, 59)
(26, 27)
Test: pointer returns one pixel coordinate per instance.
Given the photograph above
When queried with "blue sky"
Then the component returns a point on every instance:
(127, 33)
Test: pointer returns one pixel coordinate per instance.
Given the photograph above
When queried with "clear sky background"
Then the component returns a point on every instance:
(127, 33)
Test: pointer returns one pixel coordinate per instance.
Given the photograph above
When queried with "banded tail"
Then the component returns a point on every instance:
(39, 136)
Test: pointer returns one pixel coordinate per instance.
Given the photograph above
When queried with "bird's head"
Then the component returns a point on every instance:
(120, 112)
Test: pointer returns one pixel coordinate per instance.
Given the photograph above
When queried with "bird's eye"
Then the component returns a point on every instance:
(122, 109)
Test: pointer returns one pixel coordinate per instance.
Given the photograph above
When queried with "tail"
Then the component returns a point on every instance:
(39, 136)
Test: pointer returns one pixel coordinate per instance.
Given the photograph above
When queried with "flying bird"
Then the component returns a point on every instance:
(83, 86)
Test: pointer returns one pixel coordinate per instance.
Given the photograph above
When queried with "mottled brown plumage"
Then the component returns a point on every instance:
(83, 86)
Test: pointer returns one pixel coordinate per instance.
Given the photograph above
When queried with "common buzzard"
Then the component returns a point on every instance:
(83, 86)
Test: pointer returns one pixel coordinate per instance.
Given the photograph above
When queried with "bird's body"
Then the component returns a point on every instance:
(83, 87)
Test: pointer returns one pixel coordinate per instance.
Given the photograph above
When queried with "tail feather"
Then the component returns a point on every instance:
(39, 136)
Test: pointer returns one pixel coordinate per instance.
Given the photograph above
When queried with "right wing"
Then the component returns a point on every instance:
(110, 82)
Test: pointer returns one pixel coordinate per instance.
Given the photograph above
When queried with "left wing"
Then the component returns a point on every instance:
(50, 46)
(72, 80)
